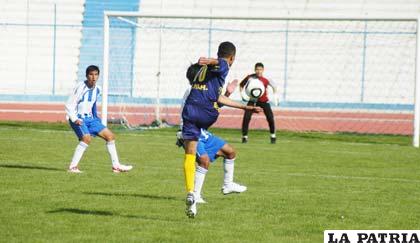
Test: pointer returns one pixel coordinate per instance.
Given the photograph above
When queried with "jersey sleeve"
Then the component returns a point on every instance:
(243, 82)
(71, 104)
(273, 84)
(221, 69)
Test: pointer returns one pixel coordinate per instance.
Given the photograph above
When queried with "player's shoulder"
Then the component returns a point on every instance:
(264, 79)
(79, 86)
(222, 64)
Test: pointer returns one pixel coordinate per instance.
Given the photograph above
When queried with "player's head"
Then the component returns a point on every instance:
(259, 69)
(227, 50)
(92, 75)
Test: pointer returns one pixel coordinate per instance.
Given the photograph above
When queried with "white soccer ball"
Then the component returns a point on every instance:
(254, 88)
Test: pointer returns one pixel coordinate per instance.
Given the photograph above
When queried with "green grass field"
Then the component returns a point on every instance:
(298, 188)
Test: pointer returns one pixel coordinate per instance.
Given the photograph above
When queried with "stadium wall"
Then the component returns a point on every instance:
(73, 39)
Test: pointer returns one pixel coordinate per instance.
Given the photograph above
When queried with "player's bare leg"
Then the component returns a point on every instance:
(78, 153)
(109, 137)
(228, 166)
(189, 170)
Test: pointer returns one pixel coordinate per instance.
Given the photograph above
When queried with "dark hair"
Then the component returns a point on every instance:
(91, 68)
(226, 49)
(259, 64)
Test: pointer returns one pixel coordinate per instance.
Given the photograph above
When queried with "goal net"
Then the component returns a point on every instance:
(332, 74)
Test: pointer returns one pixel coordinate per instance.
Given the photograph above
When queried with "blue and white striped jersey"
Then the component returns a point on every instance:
(82, 102)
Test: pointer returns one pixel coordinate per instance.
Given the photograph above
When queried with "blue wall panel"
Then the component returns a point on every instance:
(122, 43)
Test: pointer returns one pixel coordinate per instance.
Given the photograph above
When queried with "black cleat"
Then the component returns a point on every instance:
(273, 140)
(244, 140)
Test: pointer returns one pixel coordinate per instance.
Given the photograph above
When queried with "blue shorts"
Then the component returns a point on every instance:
(209, 144)
(195, 118)
(90, 126)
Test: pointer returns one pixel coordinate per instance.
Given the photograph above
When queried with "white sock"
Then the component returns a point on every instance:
(246, 136)
(78, 153)
(273, 135)
(200, 175)
(113, 153)
(228, 167)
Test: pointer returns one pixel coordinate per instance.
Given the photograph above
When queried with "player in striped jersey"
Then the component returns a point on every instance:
(83, 118)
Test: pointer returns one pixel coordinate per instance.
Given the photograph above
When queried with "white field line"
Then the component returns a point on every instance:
(368, 178)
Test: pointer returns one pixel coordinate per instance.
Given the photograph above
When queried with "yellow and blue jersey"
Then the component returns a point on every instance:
(207, 87)
(201, 109)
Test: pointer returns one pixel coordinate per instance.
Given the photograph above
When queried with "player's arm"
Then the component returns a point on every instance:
(228, 102)
(243, 82)
(217, 65)
(273, 85)
(71, 105)
(208, 61)
(230, 88)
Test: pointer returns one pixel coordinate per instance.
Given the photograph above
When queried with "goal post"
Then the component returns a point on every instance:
(416, 120)
(334, 73)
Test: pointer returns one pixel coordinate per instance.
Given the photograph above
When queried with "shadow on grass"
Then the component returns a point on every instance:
(148, 196)
(82, 211)
(28, 167)
(103, 213)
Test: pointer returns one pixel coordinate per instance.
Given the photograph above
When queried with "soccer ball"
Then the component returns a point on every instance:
(254, 88)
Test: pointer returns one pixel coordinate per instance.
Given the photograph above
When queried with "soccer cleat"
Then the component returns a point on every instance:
(74, 169)
(122, 168)
(233, 188)
(191, 206)
(273, 140)
(244, 140)
(199, 199)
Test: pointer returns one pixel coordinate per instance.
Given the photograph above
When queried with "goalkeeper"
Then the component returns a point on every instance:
(262, 102)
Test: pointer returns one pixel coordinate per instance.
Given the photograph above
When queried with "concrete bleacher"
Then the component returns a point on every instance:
(285, 7)
(32, 47)
(308, 67)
